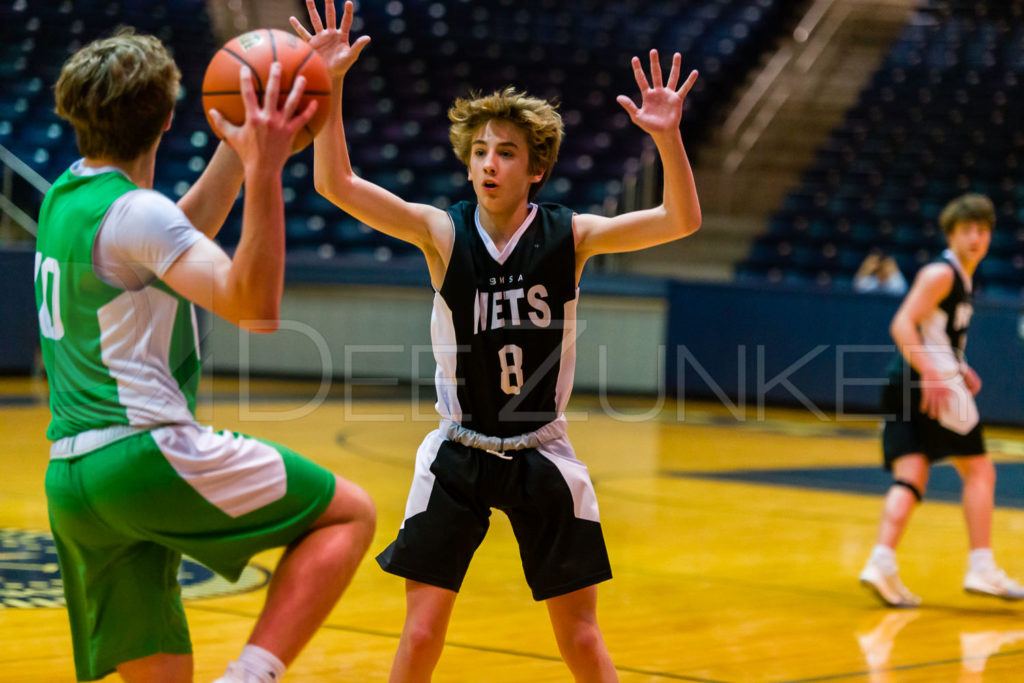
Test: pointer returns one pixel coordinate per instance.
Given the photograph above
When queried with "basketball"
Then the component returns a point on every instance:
(259, 49)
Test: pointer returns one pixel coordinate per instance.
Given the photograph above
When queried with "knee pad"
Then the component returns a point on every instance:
(907, 485)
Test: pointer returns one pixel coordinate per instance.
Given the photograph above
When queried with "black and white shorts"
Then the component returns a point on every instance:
(908, 431)
(546, 493)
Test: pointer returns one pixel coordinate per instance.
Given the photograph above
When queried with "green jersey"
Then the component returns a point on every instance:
(113, 355)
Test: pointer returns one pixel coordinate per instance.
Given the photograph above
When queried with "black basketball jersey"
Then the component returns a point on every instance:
(503, 325)
(947, 326)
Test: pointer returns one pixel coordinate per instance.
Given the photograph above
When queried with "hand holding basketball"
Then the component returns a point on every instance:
(266, 136)
(258, 50)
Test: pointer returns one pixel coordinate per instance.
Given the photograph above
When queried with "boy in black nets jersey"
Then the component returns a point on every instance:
(931, 414)
(505, 272)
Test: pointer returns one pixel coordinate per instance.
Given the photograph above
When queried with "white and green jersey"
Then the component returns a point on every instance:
(118, 349)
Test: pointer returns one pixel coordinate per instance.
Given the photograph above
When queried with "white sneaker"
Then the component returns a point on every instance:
(993, 581)
(885, 583)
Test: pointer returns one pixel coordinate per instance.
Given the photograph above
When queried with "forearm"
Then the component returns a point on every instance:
(365, 201)
(911, 346)
(209, 200)
(332, 168)
(682, 206)
(256, 279)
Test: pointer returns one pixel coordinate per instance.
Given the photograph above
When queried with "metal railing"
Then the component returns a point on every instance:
(14, 171)
(763, 99)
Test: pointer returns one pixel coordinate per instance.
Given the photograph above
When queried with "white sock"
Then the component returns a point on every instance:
(262, 664)
(980, 558)
(883, 556)
(883, 553)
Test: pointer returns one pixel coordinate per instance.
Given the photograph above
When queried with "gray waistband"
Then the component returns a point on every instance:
(497, 444)
(83, 442)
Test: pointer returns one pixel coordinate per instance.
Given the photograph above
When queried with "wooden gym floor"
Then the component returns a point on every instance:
(735, 543)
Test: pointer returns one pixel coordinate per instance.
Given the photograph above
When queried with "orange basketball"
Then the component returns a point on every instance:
(259, 49)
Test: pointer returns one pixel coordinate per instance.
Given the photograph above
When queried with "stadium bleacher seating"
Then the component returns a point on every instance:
(424, 55)
(939, 118)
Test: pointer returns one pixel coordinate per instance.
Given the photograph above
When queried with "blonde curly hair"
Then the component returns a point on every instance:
(538, 119)
(117, 93)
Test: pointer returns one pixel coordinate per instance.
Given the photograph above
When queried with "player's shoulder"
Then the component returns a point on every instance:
(555, 209)
(559, 218)
(463, 209)
(935, 276)
(150, 205)
(144, 215)
(937, 270)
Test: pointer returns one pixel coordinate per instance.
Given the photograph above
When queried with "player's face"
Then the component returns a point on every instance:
(969, 240)
(499, 166)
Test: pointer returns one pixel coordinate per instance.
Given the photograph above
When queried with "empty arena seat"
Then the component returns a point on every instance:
(935, 121)
(426, 55)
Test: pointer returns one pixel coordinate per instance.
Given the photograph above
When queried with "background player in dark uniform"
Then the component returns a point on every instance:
(505, 272)
(930, 410)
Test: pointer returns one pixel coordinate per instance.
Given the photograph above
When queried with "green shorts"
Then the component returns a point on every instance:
(123, 515)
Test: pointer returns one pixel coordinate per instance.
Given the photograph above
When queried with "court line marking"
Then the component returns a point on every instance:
(828, 430)
(341, 440)
(466, 646)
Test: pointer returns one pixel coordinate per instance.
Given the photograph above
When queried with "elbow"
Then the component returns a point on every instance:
(323, 188)
(333, 187)
(251, 301)
(693, 224)
(260, 321)
(896, 329)
(687, 225)
(323, 182)
(264, 327)
(679, 221)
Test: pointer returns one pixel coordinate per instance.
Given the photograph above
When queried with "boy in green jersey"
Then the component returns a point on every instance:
(134, 481)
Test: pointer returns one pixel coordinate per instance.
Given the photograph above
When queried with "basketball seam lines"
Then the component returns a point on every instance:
(259, 89)
(308, 56)
(259, 81)
(273, 46)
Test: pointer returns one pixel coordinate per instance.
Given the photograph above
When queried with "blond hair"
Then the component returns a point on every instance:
(537, 118)
(118, 93)
(967, 207)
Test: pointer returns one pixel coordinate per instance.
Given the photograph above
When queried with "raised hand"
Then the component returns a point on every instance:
(661, 106)
(331, 42)
(265, 137)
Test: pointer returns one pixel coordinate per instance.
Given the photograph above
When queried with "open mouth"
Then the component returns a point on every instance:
(490, 184)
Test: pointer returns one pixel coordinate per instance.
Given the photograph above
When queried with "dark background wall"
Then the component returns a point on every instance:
(821, 350)
(18, 331)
